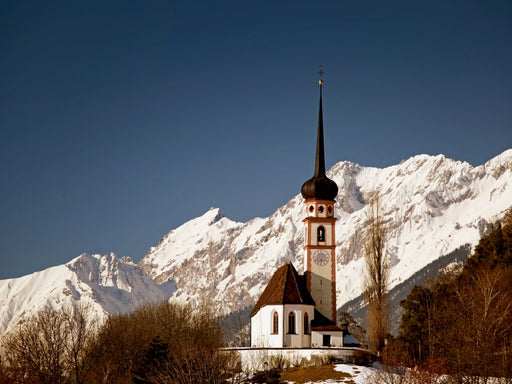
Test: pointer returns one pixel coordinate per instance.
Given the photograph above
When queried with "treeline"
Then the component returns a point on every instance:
(158, 343)
(461, 323)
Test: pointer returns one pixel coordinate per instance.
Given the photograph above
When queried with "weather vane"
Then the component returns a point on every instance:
(321, 72)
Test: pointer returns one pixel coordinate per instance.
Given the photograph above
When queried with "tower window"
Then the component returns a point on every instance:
(320, 232)
(291, 322)
(321, 208)
(306, 323)
(311, 208)
(275, 323)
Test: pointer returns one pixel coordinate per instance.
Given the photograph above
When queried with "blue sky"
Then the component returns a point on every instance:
(120, 120)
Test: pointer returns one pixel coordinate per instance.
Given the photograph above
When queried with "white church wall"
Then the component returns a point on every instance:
(337, 339)
(254, 359)
(306, 340)
(257, 336)
(298, 339)
(317, 339)
(262, 324)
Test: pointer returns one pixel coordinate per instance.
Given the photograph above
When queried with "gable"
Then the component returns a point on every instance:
(286, 286)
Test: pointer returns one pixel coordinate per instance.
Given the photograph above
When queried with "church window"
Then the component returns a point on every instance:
(311, 208)
(306, 323)
(321, 208)
(320, 232)
(275, 323)
(291, 322)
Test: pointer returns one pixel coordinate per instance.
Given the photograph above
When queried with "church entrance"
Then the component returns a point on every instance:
(326, 340)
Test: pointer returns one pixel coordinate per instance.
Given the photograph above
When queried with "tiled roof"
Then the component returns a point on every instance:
(322, 323)
(285, 287)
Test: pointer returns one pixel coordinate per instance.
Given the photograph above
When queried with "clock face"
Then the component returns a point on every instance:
(321, 258)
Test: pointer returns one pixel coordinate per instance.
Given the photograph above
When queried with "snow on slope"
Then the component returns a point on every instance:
(107, 283)
(432, 205)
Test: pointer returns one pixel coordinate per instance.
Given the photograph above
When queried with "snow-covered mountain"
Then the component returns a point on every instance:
(432, 205)
(108, 284)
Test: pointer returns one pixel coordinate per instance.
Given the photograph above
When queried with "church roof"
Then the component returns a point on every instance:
(320, 187)
(322, 323)
(285, 287)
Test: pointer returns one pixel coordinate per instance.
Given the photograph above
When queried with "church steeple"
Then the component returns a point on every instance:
(300, 311)
(320, 187)
(320, 157)
(319, 193)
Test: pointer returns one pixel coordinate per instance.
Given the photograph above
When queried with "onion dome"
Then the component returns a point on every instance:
(320, 187)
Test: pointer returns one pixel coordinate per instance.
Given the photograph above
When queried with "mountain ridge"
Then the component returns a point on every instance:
(432, 205)
(106, 283)
(421, 193)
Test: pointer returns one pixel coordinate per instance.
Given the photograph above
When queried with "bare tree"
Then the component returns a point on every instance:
(376, 278)
(162, 343)
(35, 350)
(81, 327)
(484, 306)
(191, 356)
(236, 327)
(50, 346)
(347, 322)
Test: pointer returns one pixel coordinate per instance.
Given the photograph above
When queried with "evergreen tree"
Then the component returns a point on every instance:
(416, 322)
(464, 321)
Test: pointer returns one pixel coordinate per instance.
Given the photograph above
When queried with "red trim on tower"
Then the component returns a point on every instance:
(330, 247)
(334, 302)
(329, 220)
(333, 293)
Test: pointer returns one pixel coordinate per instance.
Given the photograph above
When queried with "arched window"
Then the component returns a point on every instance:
(291, 322)
(320, 233)
(275, 323)
(306, 323)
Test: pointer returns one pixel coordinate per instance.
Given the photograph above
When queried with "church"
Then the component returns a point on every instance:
(299, 311)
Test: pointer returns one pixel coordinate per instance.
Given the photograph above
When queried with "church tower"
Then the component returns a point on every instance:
(300, 310)
(319, 194)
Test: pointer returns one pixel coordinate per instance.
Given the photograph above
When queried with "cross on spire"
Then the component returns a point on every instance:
(321, 72)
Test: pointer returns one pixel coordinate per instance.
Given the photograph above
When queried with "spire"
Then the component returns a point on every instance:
(320, 187)
(320, 157)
